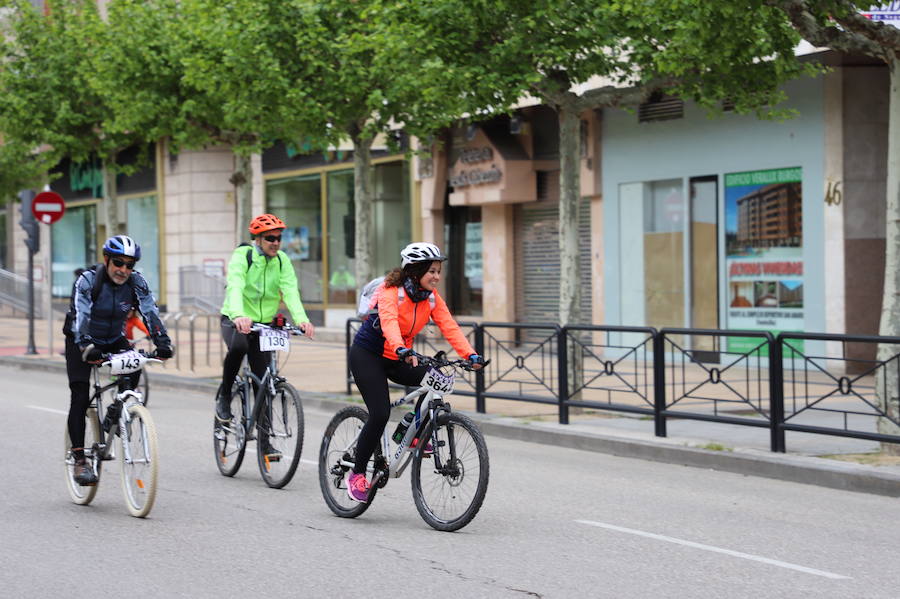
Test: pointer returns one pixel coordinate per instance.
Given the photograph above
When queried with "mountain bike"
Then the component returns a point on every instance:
(450, 465)
(130, 421)
(276, 415)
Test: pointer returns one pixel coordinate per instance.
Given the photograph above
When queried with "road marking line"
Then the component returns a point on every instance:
(756, 558)
(309, 462)
(54, 410)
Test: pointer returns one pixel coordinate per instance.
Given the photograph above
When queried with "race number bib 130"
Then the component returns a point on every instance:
(125, 363)
(274, 340)
(438, 381)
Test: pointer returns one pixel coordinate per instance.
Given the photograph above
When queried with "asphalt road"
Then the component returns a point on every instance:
(556, 523)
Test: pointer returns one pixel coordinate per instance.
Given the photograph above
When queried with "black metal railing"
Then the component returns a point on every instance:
(746, 378)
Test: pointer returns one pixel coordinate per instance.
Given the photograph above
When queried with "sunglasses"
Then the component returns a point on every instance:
(120, 263)
(272, 238)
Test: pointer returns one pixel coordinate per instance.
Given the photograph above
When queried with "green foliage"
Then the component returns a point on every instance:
(48, 101)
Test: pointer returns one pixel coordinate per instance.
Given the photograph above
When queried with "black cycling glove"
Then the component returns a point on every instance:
(90, 353)
(476, 359)
(403, 353)
(164, 352)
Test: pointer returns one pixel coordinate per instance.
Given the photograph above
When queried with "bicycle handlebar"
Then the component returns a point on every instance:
(439, 361)
(292, 329)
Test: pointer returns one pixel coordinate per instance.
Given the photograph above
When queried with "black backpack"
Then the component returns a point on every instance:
(99, 274)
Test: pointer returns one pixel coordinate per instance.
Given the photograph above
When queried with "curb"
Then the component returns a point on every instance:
(792, 468)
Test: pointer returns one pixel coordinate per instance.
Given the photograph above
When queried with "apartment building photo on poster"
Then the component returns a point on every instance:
(764, 252)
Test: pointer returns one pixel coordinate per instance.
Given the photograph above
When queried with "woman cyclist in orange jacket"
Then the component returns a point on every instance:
(381, 350)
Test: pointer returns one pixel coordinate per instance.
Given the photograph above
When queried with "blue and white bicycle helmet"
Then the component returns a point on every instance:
(122, 245)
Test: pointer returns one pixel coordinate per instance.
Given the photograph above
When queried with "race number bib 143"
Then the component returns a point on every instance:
(125, 363)
(274, 340)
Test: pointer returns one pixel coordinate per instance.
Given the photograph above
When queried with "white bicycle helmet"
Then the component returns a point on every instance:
(420, 251)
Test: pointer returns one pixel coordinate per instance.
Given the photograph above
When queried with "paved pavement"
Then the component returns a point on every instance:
(317, 369)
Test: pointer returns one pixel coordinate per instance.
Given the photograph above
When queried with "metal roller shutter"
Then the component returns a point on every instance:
(537, 255)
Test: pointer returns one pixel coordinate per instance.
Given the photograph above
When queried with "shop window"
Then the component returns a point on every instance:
(74, 246)
(341, 238)
(652, 222)
(143, 227)
(298, 202)
(463, 271)
(391, 223)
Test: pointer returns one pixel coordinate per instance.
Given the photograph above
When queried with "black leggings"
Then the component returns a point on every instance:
(239, 345)
(79, 373)
(371, 373)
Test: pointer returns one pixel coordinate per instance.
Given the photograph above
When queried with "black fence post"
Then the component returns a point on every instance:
(659, 384)
(563, 373)
(776, 393)
(347, 342)
(479, 374)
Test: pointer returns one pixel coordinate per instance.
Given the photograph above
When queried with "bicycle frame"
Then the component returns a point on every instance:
(126, 397)
(265, 386)
(434, 405)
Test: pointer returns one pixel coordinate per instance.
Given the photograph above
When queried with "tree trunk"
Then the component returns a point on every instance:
(569, 203)
(362, 198)
(243, 193)
(569, 192)
(887, 381)
(110, 193)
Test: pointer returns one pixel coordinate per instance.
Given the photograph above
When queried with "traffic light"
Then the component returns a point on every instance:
(28, 222)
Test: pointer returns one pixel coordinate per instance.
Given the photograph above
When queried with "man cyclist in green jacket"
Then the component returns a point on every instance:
(260, 276)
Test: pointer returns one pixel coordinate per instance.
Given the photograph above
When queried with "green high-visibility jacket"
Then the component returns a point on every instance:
(257, 289)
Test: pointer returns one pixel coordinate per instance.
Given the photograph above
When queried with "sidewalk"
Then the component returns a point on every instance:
(317, 369)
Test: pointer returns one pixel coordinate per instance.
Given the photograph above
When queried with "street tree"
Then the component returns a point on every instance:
(840, 25)
(314, 73)
(47, 101)
(577, 55)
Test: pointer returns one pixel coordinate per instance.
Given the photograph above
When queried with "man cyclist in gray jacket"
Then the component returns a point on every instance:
(101, 300)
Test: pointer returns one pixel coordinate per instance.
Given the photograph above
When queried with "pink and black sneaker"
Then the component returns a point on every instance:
(358, 487)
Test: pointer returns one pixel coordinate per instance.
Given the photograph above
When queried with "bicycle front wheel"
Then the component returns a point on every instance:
(230, 438)
(338, 450)
(83, 495)
(449, 485)
(279, 439)
(139, 460)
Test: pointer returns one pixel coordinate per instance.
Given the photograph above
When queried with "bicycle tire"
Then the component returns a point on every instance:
(230, 440)
(285, 431)
(339, 441)
(82, 495)
(139, 477)
(463, 479)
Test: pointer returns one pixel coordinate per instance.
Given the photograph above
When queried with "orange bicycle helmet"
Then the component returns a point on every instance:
(265, 222)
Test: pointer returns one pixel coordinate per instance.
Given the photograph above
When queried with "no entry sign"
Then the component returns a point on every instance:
(48, 207)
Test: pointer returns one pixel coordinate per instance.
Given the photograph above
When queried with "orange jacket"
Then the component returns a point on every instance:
(402, 319)
(130, 325)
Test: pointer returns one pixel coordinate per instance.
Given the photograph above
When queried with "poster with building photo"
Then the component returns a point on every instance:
(764, 252)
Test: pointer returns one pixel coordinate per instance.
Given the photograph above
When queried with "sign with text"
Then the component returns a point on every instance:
(764, 252)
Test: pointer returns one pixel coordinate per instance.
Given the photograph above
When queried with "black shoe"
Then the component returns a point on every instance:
(223, 408)
(111, 418)
(272, 454)
(84, 474)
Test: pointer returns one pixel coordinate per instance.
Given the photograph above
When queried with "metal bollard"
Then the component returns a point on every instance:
(191, 336)
(175, 320)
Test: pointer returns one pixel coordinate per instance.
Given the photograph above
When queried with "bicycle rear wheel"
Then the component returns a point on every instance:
(449, 486)
(281, 423)
(83, 495)
(339, 449)
(230, 438)
(139, 460)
